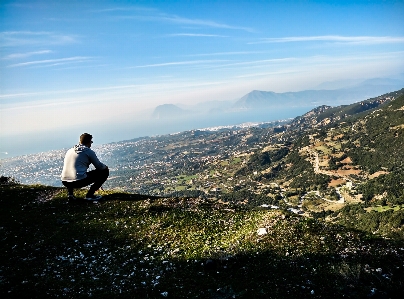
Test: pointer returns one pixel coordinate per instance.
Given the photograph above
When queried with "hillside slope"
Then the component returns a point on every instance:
(352, 161)
(131, 246)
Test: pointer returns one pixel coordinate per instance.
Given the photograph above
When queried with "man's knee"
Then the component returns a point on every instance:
(66, 184)
(98, 173)
(102, 174)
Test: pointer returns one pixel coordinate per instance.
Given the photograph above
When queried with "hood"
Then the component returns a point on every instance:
(78, 148)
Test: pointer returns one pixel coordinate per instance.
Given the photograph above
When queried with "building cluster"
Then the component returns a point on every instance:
(149, 165)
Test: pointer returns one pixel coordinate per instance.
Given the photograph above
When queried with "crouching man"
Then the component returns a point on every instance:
(76, 163)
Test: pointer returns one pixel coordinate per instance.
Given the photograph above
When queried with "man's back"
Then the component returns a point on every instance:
(77, 161)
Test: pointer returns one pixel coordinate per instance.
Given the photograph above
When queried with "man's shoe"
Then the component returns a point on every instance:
(93, 197)
(72, 198)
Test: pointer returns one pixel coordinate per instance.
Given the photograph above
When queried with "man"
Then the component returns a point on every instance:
(76, 163)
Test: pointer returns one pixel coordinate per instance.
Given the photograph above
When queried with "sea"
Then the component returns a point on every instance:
(107, 132)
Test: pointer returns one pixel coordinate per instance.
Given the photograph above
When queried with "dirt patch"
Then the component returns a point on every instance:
(334, 207)
(323, 163)
(325, 206)
(342, 172)
(352, 199)
(376, 174)
(335, 183)
(347, 170)
(347, 160)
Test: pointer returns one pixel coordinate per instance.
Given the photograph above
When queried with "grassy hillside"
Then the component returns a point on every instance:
(132, 246)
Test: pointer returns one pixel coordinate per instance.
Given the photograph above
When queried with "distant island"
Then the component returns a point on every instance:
(167, 111)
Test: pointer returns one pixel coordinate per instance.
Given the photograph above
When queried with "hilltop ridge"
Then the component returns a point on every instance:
(137, 246)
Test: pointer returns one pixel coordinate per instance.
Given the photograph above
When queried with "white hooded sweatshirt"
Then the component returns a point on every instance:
(77, 161)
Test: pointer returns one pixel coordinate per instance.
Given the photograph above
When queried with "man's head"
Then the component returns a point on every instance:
(86, 139)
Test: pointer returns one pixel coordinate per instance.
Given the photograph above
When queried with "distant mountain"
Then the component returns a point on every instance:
(167, 111)
(327, 93)
(366, 89)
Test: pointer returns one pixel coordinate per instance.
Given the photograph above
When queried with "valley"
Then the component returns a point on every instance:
(311, 207)
(317, 164)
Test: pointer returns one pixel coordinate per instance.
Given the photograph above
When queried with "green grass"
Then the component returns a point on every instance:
(224, 163)
(186, 177)
(384, 208)
(134, 246)
(325, 149)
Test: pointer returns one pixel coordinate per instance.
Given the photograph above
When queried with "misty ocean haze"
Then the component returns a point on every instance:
(113, 132)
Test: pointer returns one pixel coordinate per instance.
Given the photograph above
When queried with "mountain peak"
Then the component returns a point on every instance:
(166, 111)
(257, 99)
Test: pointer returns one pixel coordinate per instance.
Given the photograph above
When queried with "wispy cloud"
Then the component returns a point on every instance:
(227, 53)
(206, 23)
(52, 92)
(335, 38)
(197, 35)
(124, 8)
(25, 55)
(21, 38)
(252, 63)
(191, 62)
(52, 61)
(166, 18)
(263, 74)
(25, 32)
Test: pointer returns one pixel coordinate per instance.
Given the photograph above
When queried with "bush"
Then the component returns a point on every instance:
(5, 180)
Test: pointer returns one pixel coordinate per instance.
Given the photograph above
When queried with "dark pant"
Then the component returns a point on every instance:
(95, 177)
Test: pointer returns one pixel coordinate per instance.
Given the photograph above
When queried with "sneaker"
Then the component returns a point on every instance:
(72, 197)
(93, 197)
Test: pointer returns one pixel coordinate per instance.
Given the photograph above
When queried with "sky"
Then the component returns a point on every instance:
(68, 66)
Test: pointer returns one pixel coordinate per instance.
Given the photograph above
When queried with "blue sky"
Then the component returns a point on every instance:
(73, 63)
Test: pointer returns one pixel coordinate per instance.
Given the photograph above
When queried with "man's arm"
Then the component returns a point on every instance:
(94, 160)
